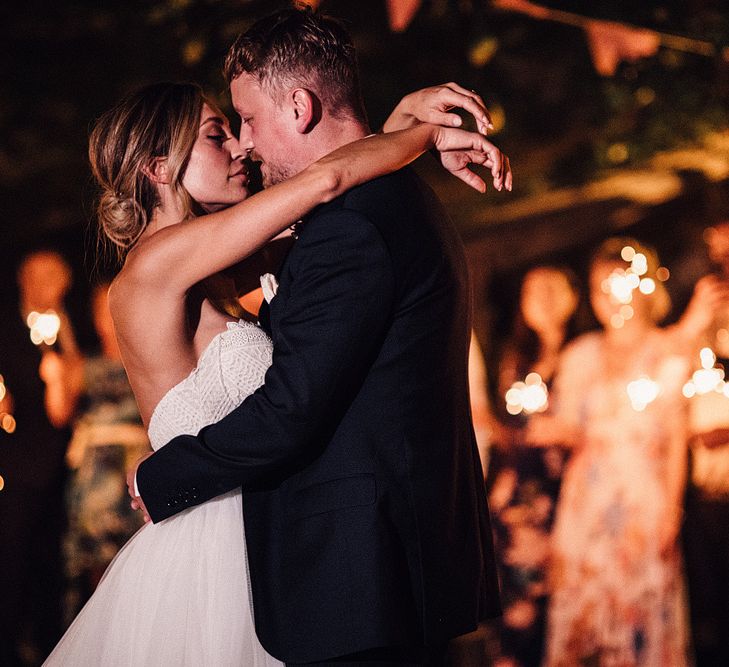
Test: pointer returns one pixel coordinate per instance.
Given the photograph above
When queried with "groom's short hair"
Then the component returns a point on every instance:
(300, 47)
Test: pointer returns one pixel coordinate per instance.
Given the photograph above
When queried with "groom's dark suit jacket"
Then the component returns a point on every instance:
(365, 514)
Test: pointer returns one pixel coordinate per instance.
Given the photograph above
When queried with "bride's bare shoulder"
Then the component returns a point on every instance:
(129, 291)
(120, 297)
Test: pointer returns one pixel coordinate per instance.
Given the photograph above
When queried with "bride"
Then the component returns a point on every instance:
(174, 200)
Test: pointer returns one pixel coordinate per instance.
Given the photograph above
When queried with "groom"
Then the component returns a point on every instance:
(366, 522)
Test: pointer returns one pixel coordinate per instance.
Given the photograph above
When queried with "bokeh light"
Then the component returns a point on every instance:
(529, 397)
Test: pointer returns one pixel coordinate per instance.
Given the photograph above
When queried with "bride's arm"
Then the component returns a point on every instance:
(179, 256)
(433, 104)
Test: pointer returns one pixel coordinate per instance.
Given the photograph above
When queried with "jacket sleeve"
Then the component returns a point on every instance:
(329, 329)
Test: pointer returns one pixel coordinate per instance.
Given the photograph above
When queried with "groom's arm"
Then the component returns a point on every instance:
(329, 331)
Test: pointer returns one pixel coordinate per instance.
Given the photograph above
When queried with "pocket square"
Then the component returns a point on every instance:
(269, 284)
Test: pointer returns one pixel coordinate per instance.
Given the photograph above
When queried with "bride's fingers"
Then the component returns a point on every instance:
(477, 100)
(451, 96)
(509, 180)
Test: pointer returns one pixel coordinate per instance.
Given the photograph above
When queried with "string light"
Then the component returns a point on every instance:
(44, 327)
(528, 397)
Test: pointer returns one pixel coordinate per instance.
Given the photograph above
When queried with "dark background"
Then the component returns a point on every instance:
(64, 63)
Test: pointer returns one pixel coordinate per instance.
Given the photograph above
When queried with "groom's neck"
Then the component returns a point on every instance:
(329, 136)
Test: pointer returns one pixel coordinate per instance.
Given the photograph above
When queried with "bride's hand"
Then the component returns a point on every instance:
(459, 149)
(432, 105)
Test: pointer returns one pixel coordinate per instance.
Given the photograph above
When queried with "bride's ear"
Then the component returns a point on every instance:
(306, 109)
(157, 171)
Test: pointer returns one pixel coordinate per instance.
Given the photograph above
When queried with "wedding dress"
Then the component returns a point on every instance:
(177, 594)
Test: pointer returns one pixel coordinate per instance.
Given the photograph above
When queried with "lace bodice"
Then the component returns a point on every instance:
(231, 368)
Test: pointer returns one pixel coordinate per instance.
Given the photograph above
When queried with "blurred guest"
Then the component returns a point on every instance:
(107, 435)
(43, 382)
(706, 529)
(524, 481)
(615, 573)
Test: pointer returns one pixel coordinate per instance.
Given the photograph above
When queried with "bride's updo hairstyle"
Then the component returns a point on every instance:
(161, 120)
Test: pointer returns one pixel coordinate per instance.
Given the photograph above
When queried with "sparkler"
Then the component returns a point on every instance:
(44, 327)
(642, 392)
(7, 421)
(528, 397)
(708, 378)
(621, 284)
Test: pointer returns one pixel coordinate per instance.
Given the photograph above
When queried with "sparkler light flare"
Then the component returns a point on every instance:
(639, 264)
(621, 283)
(7, 423)
(528, 397)
(620, 286)
(44, 327)
(642, 392)
(708, 378)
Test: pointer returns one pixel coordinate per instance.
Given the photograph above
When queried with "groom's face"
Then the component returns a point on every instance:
(266, 129)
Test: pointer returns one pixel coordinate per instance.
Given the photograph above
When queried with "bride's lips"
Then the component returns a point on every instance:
(243, 174)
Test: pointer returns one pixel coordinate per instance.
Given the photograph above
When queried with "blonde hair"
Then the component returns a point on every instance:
(161, 120)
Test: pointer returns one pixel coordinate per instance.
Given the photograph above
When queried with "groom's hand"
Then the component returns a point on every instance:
(137, 502)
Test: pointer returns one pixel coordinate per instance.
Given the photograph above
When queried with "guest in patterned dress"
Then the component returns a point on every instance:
(524, 481)
(617, 587)
(108, 435)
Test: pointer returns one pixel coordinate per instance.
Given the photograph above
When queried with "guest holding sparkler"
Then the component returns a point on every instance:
(523, 481)
(43, 383)
(615, 573)
(706, 536)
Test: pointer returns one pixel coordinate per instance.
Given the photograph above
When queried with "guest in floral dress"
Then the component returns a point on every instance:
(617, 587)
(107, 436)
(524, 481)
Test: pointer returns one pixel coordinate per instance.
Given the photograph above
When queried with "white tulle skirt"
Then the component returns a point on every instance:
(176, 595)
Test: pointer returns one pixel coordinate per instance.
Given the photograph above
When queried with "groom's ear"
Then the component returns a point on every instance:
(157, 171)
(306, 108)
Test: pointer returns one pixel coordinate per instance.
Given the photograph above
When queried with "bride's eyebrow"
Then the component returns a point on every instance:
(213, 119)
